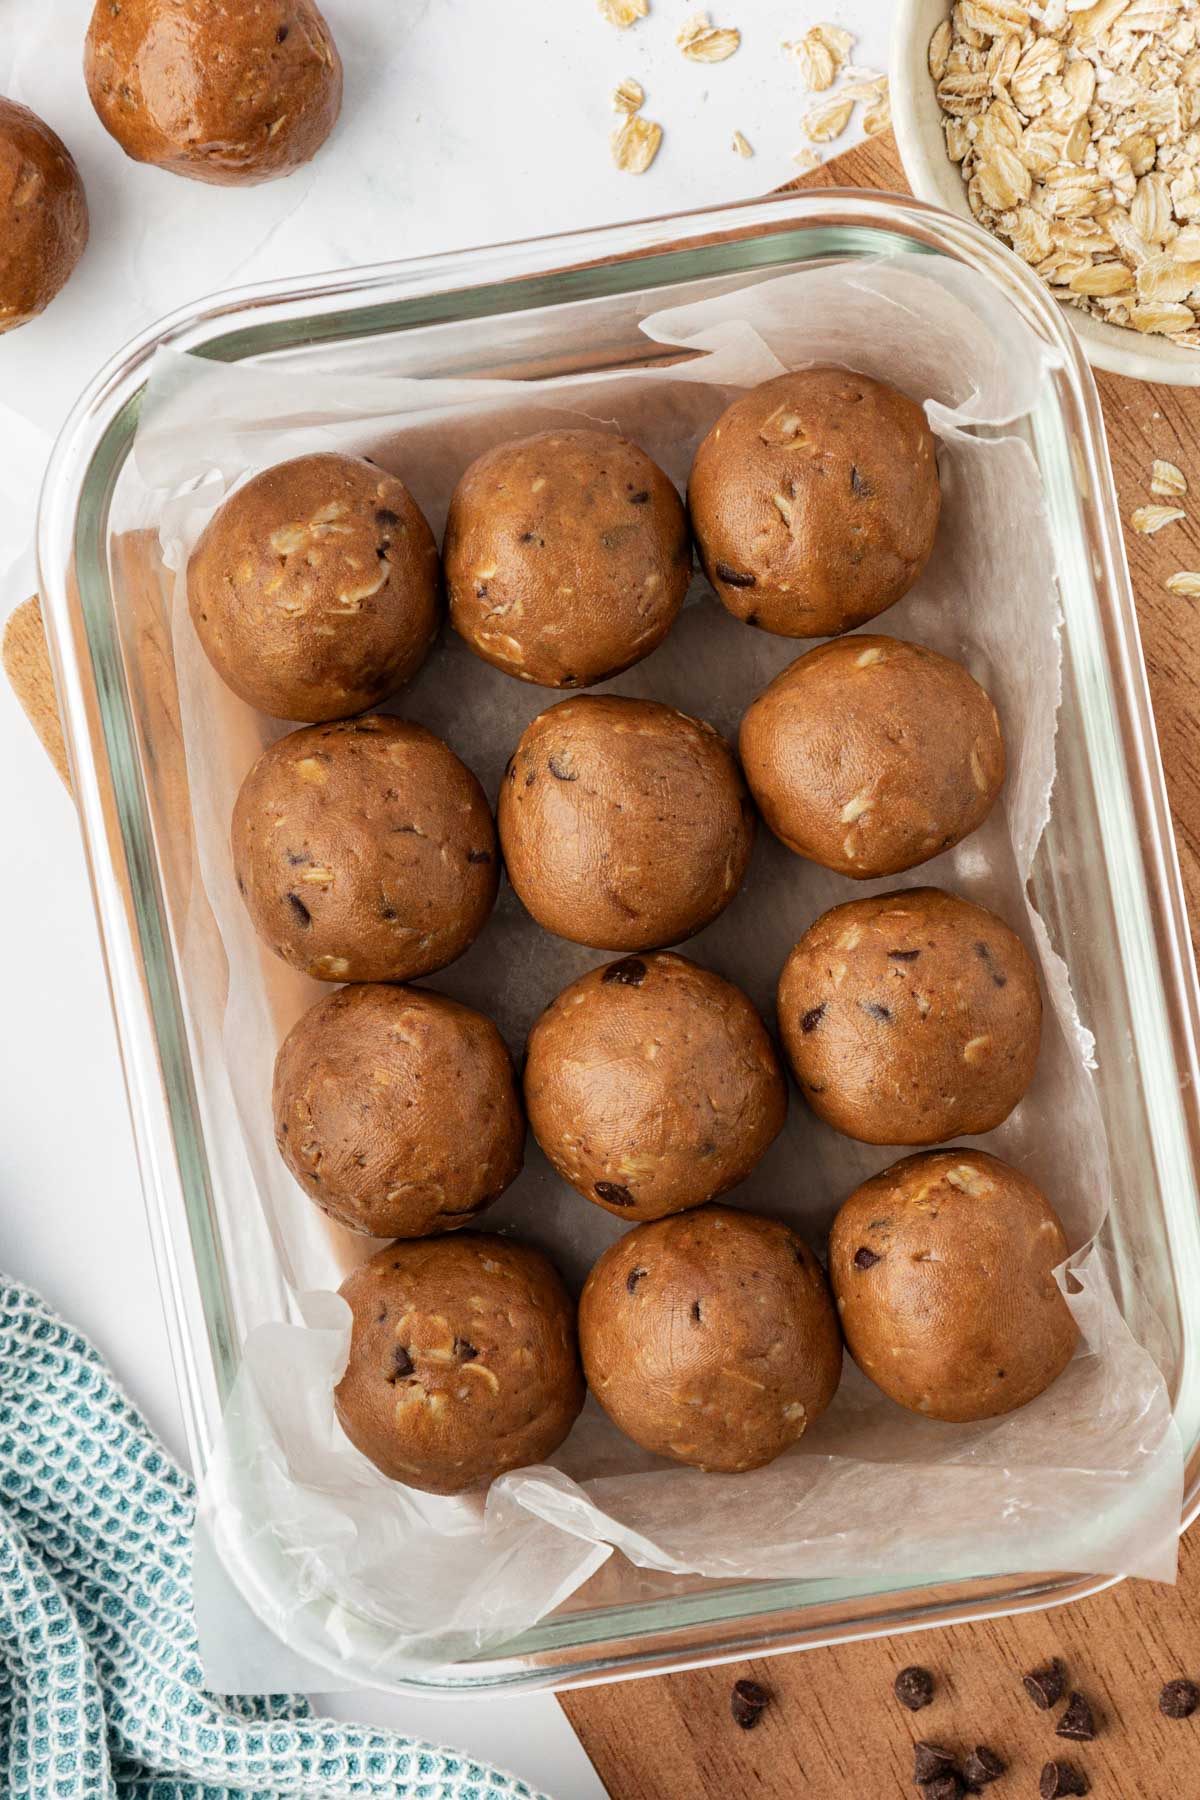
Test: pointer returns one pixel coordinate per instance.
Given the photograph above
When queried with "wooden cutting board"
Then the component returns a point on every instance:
(833, 1730)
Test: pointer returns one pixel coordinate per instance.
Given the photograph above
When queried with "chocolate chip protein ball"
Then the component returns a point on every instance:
(463, 1361)
(652, 1086)
(943, 1270)
(711, 1338)
(814, 500)
(870, 755)
(911, 1017)
(314, 588)
(364, 851)
(567, 557)
(43, 215)
(397, 1110)
(217, 90)
(624, 824)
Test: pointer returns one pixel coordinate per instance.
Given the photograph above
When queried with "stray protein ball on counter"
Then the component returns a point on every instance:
(943, 1267)
(911, 1017)
(364, 850)
(214, 89)
(711, 1338)
(43, 214)
(567, 557)
(463, 1362)
(870, 755)
(397, 1110)
(625, 825)
(652, 1085)
(814, 500)
(314, 588)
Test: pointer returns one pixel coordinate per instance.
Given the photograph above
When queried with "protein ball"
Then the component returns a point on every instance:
(314, 588)
(463, 1361)
(43, 215)
(364, 850)
(943, 1267)
(652, 1085)
(869, 755)
(625, 824)
(814, 500)
(397, 1110)
(711, 1338)
(911, 1017)
(567, 557)
(214, 89)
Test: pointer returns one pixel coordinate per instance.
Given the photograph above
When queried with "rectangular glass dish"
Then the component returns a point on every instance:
(1105, 880)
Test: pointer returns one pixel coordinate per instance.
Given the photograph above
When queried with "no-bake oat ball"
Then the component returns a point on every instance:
(815, 500)
(911, 1017)
(397, 1110)
(711, 1338)
(625, 825)
(463, 1361)
(43, 215)
(652, 1086)
(314, 588)
(364, 850)
(870, 755)
(567, 557)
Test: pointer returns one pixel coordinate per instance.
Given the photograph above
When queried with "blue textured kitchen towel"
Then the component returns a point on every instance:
(101, 1688)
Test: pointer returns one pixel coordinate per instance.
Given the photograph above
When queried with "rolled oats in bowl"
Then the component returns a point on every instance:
(1076, 124)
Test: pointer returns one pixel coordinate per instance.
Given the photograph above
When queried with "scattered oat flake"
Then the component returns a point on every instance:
(1186, 582)
(623, 13)
(741, 146)
(877, 117)
(1149, 519)
(635, 144)
(806, 161)
(1167, 479)
(628, 95)
(820, 54)
(702, 41)
(828, 119)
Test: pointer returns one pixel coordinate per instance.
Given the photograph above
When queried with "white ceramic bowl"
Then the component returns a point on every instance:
(916, 119)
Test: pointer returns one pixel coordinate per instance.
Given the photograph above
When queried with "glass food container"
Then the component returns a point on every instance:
(1106, 872)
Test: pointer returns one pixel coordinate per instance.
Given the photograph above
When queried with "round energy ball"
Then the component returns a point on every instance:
(625, 824)
(711, 1338)
(463, 1361)
(943, 1270)
(870, 755)
(911, 1017)
(43, 215)
(364, 850)
(567, 557)
(397, 1110)
(814, 500)
(652, 1086)
(214, 89)
(314, 588)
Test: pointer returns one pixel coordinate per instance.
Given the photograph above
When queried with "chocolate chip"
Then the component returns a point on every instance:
(296, 857)
(859, 487)
(913, 1687)
(930, 1760)
(813, 1017)
(983, 1766)
(904, 955)
(381, 550)
(385, 516)
(1179, 1699)
(241, 885)
(402, 1364)
(561, 769)
(282, 34)
(734, 577)
(531, 778)
(629, 972)
(746, 1703)
(481, 590)
(614, 1194)
(876, 1010)
(998, 976)
(389, 913)
(751, 618)
(1045, 1686)
(1062, 1778)
(479, 856)
(1077, 1722)
(947, 1786)
(632, 1279)
(639, 499)
(696, 1311)
(865, 1259)
(466, 1352)
(298, 907)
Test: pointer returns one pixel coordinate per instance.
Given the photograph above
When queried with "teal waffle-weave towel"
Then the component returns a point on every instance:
(101, 1688)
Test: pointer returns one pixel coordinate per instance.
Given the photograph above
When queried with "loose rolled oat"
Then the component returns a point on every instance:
(806, 161)
(702, 41)
(628, 95)
(741, 145)
(1186, 582)
(1167, 480)
(820, 54)
(635, 144)
(623, 13)
(827, 119)
(1149, 519)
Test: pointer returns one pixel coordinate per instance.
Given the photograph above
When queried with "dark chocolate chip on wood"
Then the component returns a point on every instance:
(614, 1193)
(629, 972)
(1179, 1699)
(1045, 1685)
(746, 1703)
(735, 577)
(982, 1766)
(1059, 1778)
(930, 1760)
(865, 1259)
(1077, 1722)
(913, 1687)
(947, 1786)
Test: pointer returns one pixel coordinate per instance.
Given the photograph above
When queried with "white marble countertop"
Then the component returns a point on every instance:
(465, 122)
